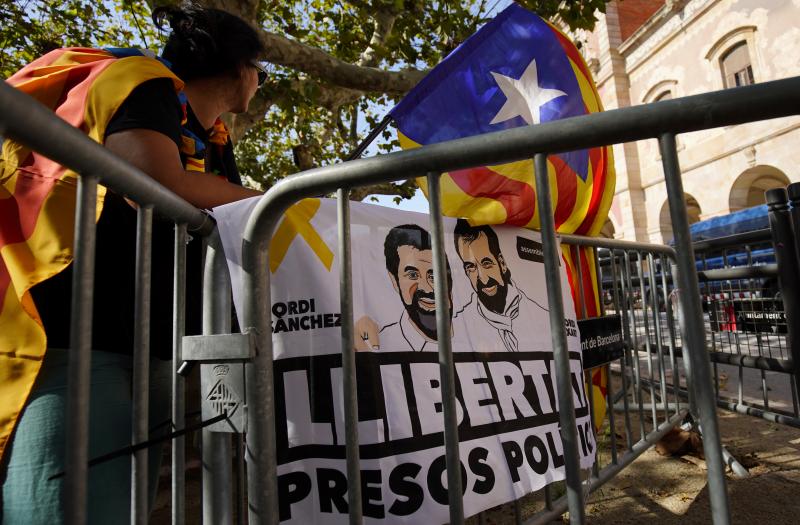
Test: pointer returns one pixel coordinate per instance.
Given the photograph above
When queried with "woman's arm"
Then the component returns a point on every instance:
(158, 156)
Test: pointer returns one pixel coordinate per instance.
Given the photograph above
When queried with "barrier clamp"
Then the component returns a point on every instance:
(222, 360)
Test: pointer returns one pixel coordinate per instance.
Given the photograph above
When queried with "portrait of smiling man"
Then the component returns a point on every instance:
(519, 322)
(409, 263)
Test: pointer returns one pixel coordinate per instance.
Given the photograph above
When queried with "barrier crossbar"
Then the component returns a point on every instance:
(26, 121)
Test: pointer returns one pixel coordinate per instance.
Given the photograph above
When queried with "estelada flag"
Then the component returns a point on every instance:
(517, 70)
(85, 87)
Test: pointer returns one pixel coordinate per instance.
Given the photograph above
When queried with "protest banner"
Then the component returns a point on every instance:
(505, 385)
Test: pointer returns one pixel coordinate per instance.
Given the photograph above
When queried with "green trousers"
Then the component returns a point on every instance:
(36, 451)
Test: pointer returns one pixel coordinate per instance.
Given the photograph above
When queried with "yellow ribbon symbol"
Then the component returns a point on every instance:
(297, 220)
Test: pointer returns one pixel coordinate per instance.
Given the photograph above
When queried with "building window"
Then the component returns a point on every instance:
(734, 58)
(665, 95)
(736, 67)
(662, 90)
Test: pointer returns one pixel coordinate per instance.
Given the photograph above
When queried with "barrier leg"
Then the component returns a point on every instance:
(783, 238)
(447, 370)
(80, 356)
(178, 382)
(566, 413)
(141, 364)
(217, 458)
(262, 469)
(692, 331)
(348, 360)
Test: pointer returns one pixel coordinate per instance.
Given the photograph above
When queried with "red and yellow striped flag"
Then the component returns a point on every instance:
(85, 87)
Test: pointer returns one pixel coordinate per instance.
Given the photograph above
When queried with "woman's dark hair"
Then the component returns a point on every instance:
(206, 42)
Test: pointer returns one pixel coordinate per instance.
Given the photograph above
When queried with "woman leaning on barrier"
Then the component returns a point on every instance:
(176, 137)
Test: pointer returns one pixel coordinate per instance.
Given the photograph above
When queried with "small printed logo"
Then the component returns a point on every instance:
(530, 250)
(221, 370)
(223, 399)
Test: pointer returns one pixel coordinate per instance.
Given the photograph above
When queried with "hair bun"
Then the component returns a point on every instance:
(165, 15)
(190, 32)
(205, 41)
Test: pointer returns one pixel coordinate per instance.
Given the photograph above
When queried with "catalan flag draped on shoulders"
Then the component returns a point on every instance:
(85, 87)
(517, 70)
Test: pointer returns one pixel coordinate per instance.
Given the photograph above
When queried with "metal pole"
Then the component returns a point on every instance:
(646, 336)
(548, 497)
(369, 139)
(566, 412)
(637, 391)
(262, 469)
(692, 331)
(793, 190)
(80, 355)
(348, 359)
(599, 276)
(576, 254)
(447, 371)
(241, 481)
(688, 371)
(217, 460)
(576, 257)
(141, 365)
(657, 324)
(178, 382)
(611, 424)
(587, 374)
(665, 264)
(620, 307)
(783, 239)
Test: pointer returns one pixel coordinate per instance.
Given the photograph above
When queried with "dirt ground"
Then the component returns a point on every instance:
(672, 490)
(666, 490)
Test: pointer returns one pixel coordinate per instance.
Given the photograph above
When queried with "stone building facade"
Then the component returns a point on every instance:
(643, 51)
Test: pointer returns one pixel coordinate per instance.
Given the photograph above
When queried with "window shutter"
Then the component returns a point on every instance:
(736, 67)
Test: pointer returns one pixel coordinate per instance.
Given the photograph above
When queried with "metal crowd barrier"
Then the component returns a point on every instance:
(751, 300)
(31, 124)
(648, 413)
(662, 121)
(753, 315)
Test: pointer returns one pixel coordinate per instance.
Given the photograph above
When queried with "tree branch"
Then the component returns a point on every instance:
(289, 53)
(245, 9)
(404, 190)
(319, 64)
(382, 28)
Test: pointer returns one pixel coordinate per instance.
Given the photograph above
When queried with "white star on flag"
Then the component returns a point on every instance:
(524, 96)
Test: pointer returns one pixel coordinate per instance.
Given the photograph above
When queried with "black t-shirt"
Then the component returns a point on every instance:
(153, 105)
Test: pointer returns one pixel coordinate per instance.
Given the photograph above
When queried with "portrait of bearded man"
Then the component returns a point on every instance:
(409, 264)
(518, 322)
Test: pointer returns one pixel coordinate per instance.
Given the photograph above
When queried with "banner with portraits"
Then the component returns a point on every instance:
(505, 384)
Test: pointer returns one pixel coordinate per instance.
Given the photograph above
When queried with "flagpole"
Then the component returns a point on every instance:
(356, 153)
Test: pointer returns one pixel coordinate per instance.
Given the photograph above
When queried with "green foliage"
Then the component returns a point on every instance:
(307, 122)
(31, 28)
(423, 33)
(577, 14)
